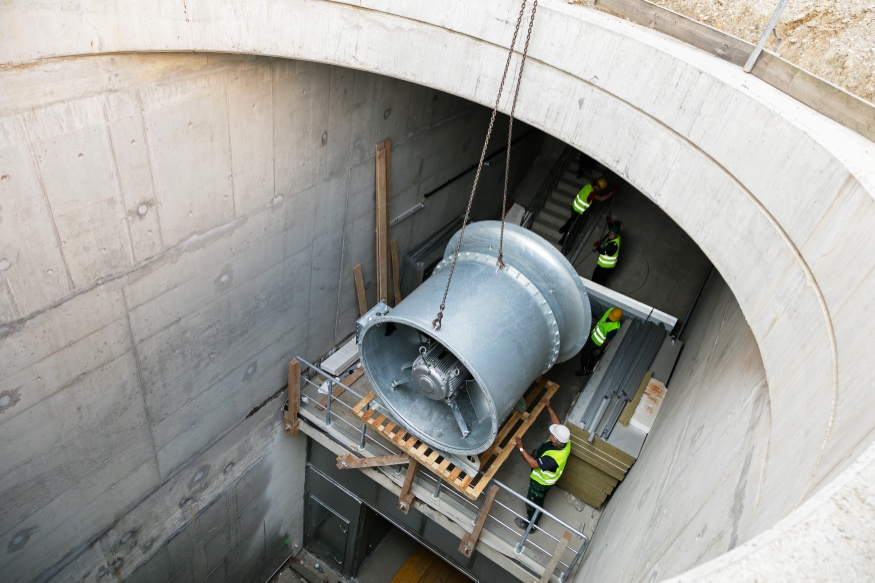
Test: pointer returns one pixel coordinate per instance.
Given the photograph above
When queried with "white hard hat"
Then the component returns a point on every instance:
(561, 433)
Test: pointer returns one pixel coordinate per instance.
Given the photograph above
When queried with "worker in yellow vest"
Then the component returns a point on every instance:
(547, 463)
(601, 335)
(584, 199)
(609, 251)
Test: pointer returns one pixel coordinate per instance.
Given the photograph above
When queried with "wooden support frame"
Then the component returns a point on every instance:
(469, 541)
(405, 498)
(340, 388)
(349, 461)
(360, 289)
(490, 461)
(554, 560)
(396, 273)
(383, 161)
(294, 396)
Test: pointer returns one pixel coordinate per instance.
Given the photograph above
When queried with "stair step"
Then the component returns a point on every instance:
(557, 208)
(551, 218)
(562, 198)
(566, 188)
(547, 232)
(571, 176)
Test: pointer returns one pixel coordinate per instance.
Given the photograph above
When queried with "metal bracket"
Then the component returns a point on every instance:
(459, 419)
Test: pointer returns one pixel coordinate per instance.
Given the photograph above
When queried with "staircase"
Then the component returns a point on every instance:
(557, 208)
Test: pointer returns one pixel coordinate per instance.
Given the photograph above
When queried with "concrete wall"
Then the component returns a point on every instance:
(174, 228)
(780, 199)
(693, 493)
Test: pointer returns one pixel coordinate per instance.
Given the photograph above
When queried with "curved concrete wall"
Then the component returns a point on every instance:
(778, 197)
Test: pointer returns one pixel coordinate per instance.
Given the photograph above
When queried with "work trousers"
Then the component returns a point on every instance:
(537, 493)
(588, 360)
(600, 274)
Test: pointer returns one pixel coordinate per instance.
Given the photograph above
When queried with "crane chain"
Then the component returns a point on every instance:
(436, 323)
(510, 134)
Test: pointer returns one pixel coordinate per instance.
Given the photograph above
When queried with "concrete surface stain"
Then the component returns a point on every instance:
(8, 399)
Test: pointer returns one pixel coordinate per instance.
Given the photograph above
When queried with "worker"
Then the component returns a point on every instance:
(609, 250)
(547, 463)
(602, 334)
(584, 199)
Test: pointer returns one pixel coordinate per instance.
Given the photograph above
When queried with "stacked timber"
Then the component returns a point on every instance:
(594, 468)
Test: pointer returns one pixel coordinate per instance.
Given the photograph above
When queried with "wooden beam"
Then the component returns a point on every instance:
(396, 273)
(557, 554)
(339, 389)
(469, 541)
(382, 202)
(349, 461)
(360, 289)
(533, 414)
(294, 395)
(405, 498)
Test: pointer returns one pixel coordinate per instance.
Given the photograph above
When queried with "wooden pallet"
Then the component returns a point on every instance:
(491, 460)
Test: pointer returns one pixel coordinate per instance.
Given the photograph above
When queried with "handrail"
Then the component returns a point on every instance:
(547, 187)
(473, 509)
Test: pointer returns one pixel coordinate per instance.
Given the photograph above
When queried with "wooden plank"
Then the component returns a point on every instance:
(442, 467)
(469, 541)
(499, 439)
(499, 460)
(339, 389)
(396, 272)
(382, 218)
(685, 29)
(294, 397)
(360, 289)
(363, 403)
(554, 560)
(508, 426)
(533, 392)
(630, 407)
(349, 461)
(405, 498)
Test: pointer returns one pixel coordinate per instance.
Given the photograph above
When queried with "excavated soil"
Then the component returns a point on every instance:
(834, 39)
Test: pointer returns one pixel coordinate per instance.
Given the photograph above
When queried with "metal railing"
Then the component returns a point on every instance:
(520, 543)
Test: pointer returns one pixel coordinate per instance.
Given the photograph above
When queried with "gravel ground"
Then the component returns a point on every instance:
(834, 39)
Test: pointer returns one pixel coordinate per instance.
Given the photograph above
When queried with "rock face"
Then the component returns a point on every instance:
(831, 38)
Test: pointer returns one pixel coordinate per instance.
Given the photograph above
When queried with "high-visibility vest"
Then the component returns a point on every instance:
(546, 478)
(603, 328)
(581, 202)
(610, 261)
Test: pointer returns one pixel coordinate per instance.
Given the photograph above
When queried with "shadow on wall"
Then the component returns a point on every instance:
(179, 226)
(693, 493)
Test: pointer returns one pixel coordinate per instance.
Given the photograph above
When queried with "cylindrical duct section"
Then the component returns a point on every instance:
(453, 387)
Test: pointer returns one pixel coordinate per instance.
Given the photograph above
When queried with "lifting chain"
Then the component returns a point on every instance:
(436, 323)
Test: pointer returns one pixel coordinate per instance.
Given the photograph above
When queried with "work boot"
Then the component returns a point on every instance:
(523, 524)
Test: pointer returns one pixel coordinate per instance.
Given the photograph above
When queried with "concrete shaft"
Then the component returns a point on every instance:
(506, 327)
(781, 199)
